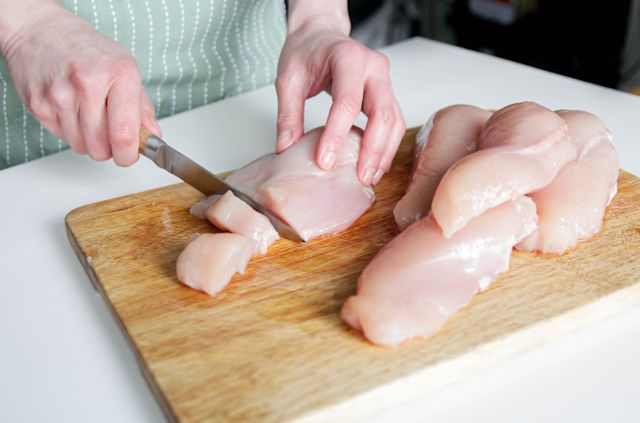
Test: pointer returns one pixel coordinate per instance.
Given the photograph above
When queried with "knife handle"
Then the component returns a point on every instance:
(144, 136)
(151, 147)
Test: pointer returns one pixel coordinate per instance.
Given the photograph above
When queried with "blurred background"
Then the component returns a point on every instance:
(597, 42)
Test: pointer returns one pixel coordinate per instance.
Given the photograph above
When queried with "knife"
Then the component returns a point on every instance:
(201, 179)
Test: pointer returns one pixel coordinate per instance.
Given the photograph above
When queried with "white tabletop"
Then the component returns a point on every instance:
(63, 358)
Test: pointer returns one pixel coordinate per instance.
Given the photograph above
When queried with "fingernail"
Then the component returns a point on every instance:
(367, 175)
(376, 178)
(283, 140)
(328, 159)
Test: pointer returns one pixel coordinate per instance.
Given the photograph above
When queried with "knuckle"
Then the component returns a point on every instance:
(125, 67)
(100, 155)
(284, 118)
(349, 103)
(60, 96)
(77, 146)
(287, 78)
(281, 84)
(382, 62)
(125, 161)
(375, 151)
(387, 114)
(85, 80)
(334, 141)
(122, 135)
(353, 50)
(374, 159)
(97, 146)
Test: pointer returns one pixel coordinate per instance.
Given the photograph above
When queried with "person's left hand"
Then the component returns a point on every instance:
(320, 56)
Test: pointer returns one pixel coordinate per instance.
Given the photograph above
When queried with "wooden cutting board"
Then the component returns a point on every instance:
(271, 346)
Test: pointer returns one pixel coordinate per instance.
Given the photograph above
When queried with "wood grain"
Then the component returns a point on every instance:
(143, 136)
(271, 346)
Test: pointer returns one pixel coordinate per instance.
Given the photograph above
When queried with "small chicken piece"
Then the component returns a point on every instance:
(571, 208)
(199, 209)
(420, 279)
(210, 260)
(229, 213)
(313, 201)
(449, 135)
(523, 148)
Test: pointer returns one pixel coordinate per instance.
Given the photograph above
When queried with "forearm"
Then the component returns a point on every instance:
(333, 13)
(19, 14)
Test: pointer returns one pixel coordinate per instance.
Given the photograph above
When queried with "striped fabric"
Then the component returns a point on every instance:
(190, 53)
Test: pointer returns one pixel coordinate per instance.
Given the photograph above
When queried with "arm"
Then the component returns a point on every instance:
(80, 85)
(319, 55)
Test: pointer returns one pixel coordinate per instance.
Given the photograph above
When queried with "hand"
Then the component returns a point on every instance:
(80, 85)
(318, 55)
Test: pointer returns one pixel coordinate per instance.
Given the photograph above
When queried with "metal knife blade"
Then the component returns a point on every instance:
(171, 160)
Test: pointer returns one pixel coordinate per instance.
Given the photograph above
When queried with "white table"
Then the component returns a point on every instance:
(63, 358)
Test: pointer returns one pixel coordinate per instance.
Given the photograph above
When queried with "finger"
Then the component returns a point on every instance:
(149, 115)
(380, 107)
(54, 128)
(347, 92)
(71, 133)
(291, 98)
(64, 101)
(42, 109)
(123, 120)
(391, 149)
(93, 124)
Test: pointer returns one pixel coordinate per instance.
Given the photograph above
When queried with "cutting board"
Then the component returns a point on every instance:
(271, 346)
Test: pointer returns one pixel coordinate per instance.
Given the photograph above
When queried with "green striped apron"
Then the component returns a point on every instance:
(190, 53)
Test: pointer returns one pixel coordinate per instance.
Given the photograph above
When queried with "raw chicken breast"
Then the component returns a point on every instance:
(519, 124)
(229, 213)
(199, 209)
(418, 280)
(313, 201)
(210, 260)
(449, 135)
(571, 208)
(523, 148)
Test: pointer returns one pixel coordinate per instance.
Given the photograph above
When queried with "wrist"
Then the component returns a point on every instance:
(332, 14)
(19, 16)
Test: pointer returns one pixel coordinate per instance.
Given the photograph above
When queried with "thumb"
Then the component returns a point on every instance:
(291, 98)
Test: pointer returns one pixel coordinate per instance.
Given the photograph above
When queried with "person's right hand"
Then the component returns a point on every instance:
(83, 87)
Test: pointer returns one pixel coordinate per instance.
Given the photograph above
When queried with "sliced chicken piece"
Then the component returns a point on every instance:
(420, 279)
(199, 209)
(523, 148)
(229, 213)
(449, 135)
(313, 201)
(571, 208)
(210, 260)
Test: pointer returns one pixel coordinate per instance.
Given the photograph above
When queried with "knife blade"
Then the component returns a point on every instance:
(176, 163)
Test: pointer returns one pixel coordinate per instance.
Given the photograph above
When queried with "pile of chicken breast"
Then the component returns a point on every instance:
(482, 184)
